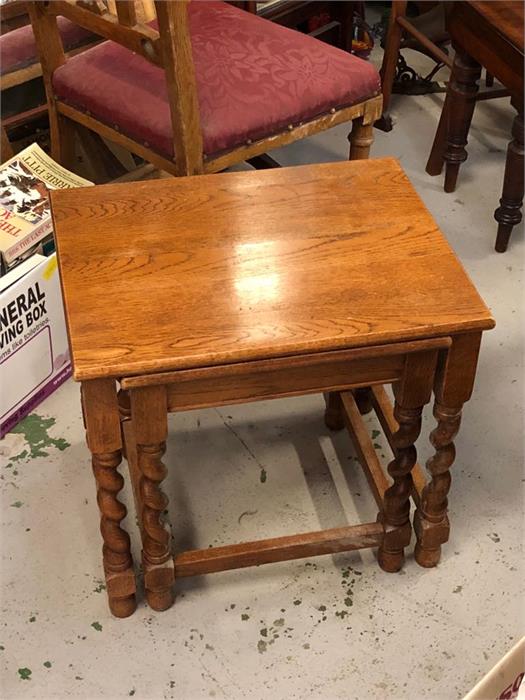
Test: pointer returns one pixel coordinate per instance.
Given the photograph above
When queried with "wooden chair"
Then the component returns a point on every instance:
(424, 35)
(427, 34)
(206, 86)
(19, 55)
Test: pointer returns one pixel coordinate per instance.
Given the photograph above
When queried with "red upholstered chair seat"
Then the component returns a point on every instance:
(18, 48)
(254, 78)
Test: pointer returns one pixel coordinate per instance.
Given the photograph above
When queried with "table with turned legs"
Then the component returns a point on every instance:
(212, 290)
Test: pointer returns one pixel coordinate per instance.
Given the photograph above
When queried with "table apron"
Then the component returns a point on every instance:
(281, 377)
(487, 46)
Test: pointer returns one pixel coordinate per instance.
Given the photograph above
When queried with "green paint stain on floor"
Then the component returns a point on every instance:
(35, 429)
(96, 626)
(245, 617)
(17, 504)
(47, 664)
(25, 674)
(261, 646)
(263, 476)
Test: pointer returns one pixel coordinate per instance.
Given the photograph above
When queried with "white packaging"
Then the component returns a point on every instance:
(34, 351)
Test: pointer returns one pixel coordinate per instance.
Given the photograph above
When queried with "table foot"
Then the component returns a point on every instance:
(427, 558)
(120, 587)
(159, 580)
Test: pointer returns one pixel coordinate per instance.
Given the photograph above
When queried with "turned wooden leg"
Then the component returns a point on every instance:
(411, 394)
(436, 157)
(361, 138)
(62, 131)
(333, 415)
(390, 56)
(149, 418)
(6, 150)
(432, 512)
(508, 214)
(99, 402)
(454, 383)
(363, 399)
(129, 450)
(462, 91)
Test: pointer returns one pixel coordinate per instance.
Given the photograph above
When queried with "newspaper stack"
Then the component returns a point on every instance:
(25, 218)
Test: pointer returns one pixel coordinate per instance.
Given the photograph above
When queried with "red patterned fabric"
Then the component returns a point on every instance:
(18, 48)
(254, 78)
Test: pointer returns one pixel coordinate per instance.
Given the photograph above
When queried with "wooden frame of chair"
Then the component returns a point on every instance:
(398, 23)
(23, 75)
(170, 49)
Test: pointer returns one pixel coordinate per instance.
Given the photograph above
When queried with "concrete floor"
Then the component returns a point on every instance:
(333, 627)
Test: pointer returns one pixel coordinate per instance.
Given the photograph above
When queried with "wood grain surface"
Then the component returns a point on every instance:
(199, 271)
(506, 18)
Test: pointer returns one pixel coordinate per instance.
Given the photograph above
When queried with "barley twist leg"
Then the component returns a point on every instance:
(149, 418)
(431, 522)
(396, 513)
(99, 401)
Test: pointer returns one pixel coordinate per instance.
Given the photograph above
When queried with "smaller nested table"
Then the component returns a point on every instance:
(230, 288)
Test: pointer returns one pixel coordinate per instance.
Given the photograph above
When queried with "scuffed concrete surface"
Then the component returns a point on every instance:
(331, 627)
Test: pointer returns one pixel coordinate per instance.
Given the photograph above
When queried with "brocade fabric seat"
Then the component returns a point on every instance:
(18, 48)
(253, 77)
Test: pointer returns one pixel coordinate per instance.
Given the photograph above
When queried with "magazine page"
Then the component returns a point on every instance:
(25, 217)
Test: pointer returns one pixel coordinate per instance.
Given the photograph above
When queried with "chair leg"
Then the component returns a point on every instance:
(361, 138)
(436, 157)
(508, 214)
(390, 56)
(462, 91)
(62, 139)
(7, 150)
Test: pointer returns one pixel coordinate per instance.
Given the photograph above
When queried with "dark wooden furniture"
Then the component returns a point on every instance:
(334, 18)
(488, 34)
(428, 37)
(428, 34)
(162, 94)
(243, 286)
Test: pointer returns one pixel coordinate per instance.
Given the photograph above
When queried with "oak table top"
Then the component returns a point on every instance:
(199, 271)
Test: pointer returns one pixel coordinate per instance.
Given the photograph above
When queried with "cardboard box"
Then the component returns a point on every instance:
(504, 681)
(34, 351)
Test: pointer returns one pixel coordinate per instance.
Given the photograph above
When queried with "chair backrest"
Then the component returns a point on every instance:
(169, 47)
